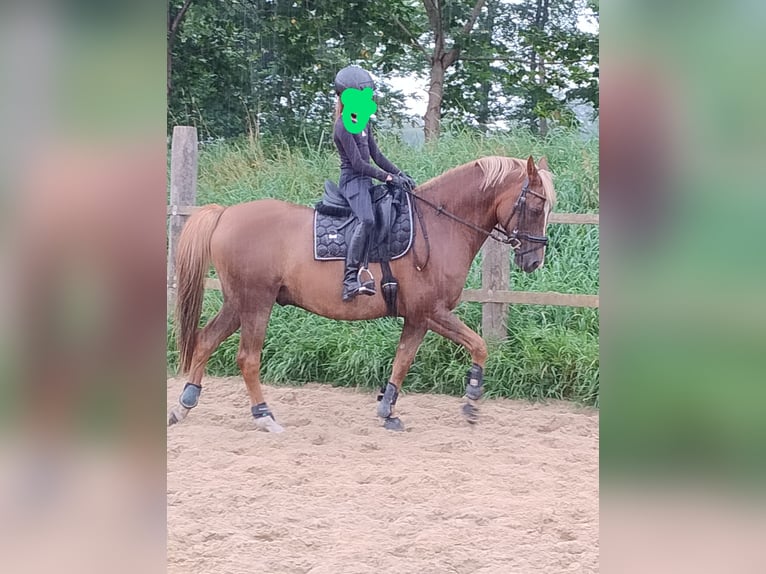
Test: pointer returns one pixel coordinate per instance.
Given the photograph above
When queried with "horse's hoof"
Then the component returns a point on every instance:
(177, 414)
(393, 424)
(471, 413)
(268, 424)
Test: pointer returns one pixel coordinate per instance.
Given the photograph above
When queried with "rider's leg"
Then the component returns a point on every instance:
(361, 205)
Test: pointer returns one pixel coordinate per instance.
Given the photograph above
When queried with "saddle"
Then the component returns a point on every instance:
(334, 223)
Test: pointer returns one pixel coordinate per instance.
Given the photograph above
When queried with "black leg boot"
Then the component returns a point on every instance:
(350, 282)
(354, 256)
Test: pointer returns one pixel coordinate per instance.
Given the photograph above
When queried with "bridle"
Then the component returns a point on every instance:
(513, 239)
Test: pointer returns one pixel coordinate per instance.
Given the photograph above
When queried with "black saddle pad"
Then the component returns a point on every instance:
(332, 230)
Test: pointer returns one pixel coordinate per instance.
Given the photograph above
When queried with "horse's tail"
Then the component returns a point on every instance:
(192, 264)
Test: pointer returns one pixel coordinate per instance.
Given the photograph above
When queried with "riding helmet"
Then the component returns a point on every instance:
(353, 77)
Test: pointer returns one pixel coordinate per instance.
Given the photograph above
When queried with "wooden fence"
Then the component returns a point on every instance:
(495, 273)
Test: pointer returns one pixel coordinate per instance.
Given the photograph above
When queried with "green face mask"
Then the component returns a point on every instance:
(357, 109)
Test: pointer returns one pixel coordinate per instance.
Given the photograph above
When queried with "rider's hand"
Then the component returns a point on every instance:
(410, 181)
(398, 181)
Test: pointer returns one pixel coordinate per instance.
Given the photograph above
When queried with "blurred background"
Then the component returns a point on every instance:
(683, 431)
(82, 449)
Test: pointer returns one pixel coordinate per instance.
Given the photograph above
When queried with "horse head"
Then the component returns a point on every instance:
(523, 209)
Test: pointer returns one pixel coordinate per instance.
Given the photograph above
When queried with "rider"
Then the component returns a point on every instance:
(355, 151)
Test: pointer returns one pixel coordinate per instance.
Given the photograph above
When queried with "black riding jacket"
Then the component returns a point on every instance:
(355, 152)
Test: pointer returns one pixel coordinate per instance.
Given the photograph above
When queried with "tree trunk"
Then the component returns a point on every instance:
(543, 127)
(541, 76)
(435, 95)
(170, 69)
(173, 24)
(538, 64)
(441, 60)
(482, 116)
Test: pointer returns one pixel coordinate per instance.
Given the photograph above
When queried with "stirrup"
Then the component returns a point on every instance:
(349, 293)
(366, 287)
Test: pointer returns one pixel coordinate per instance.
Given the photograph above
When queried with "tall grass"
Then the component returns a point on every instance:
(551, 352)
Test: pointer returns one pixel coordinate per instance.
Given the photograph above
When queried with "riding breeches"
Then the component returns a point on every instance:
(357, 193)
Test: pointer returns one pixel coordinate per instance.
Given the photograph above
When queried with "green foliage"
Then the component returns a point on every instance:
(526, 61)
(551, 352)
(265, 68)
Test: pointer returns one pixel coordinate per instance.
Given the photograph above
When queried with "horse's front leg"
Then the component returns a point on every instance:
(446, 324)
(412, 335)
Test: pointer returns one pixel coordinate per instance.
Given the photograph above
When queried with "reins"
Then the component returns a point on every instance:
(418, 266)
(512, 239)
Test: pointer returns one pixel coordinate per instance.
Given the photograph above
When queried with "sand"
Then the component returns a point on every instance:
(337, 493)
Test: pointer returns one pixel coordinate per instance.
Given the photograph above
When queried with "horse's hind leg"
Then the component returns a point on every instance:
(409, 342)
(446, 324)
(249, 360)
(207, 341)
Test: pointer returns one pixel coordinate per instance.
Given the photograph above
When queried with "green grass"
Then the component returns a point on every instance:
(551, 352)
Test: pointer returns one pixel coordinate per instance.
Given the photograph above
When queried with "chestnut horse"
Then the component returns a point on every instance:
(263, 253)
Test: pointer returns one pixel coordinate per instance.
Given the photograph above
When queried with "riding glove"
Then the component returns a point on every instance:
(410, 181)
(400, 181)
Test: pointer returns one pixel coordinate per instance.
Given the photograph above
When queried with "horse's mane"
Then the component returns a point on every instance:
(497, 170)
(550, 192)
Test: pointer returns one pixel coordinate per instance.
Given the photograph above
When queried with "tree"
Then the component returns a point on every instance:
(558, 62)
(471, 92)
(450, 23)
(175, 17)
(527, 62)
(266, 67)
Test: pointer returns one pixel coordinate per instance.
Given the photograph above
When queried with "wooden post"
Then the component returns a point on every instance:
(495, 276)
(183, 193)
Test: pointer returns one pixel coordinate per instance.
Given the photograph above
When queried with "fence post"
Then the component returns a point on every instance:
(495, 276)
(183, 193)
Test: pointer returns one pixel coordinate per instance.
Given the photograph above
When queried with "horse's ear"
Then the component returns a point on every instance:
(532, 170)
(543, 164)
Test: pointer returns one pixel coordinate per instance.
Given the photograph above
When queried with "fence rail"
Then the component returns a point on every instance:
(502, 297)
(494, 294)
(529, 297)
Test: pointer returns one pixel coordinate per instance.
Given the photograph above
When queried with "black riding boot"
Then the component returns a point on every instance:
(354, 258)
